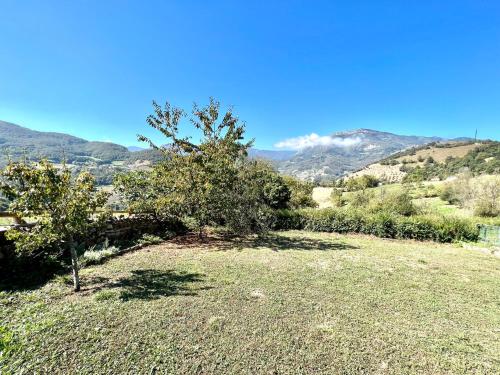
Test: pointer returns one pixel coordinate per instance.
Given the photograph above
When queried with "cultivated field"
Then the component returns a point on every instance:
(293, 303)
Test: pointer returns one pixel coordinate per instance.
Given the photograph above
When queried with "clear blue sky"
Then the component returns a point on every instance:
(290, 68)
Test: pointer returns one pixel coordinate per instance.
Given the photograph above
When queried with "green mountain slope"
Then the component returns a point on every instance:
(17, 141)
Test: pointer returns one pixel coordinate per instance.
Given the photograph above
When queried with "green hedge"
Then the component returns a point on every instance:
(434, 228)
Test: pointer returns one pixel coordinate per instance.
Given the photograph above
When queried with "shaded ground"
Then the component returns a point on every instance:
(291, 303)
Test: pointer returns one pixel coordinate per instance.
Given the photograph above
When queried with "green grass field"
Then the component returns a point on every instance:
(429, 205)
(293, 303)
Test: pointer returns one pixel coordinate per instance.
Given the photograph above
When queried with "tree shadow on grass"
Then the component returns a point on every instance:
(152, 284)
(278, 242)
(147, 284)
(274, 241)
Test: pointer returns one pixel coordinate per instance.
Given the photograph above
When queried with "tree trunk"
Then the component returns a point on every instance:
(74, 266)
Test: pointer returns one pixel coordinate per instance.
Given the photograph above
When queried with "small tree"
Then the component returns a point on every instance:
(61, 206)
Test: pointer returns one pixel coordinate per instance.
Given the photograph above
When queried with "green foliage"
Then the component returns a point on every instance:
(4, 203)
(389, 162)
(487, 202)
(485, 207)
(448, 194)
(212, 182)
(361, 182)
(141, 191)
(337, 198)
(98, 253)
(381, 224)
(301, 193)
(393, 201)
(149, 239)
(484, 159)
(425, 191)
(269, 187)
(481, 196)
(361, 198)
(7, 342)
(384, 199)
(61, 205)
(415, 174)
(106, 295)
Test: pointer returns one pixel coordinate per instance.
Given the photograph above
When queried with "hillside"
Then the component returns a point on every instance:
(365, 146)
(17, 141)
(353, 150)
(437, 160)
(103, 159)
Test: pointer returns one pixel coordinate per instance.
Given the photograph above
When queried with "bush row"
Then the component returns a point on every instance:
(382, 224)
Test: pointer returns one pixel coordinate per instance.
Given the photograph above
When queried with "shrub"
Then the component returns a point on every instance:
(487, 203)
(301, 193)
(429, 160)
(361, 182)
(381, 224)
(481, 196)
(389, 162)
(336, 198)
(97, 254)
(361, 198)
(448, 194)
(149, 239)
(429, 191)
(397, 202)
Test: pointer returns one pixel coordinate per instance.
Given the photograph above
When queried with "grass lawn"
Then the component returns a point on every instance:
(294, 303)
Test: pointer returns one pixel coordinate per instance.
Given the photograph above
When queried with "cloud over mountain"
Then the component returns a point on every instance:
(313, 139)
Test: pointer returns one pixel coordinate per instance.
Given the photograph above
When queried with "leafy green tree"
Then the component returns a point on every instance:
(4, 203)
(201, 180)
(300, 193)
(361, 182)
(269, 187)
(61, 206)
(140, 191)
(336, 197)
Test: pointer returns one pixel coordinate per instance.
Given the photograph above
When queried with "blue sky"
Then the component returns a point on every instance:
(289, 68)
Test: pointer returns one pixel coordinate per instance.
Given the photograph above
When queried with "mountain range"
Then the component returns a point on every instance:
(343, 152)
(347, 151)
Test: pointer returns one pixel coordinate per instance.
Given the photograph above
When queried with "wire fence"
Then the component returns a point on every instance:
(489, 234)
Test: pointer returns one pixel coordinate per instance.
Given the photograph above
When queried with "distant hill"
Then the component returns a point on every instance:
(275, 155)
(351, 151)
(135, 148)
(437, 160)
(103, 159)
(358, 148)
(17, 141)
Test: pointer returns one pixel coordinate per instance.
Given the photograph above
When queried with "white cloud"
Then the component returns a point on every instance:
(313, 139)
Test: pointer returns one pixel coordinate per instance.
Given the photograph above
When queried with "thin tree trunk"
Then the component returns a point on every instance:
(74, 266)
